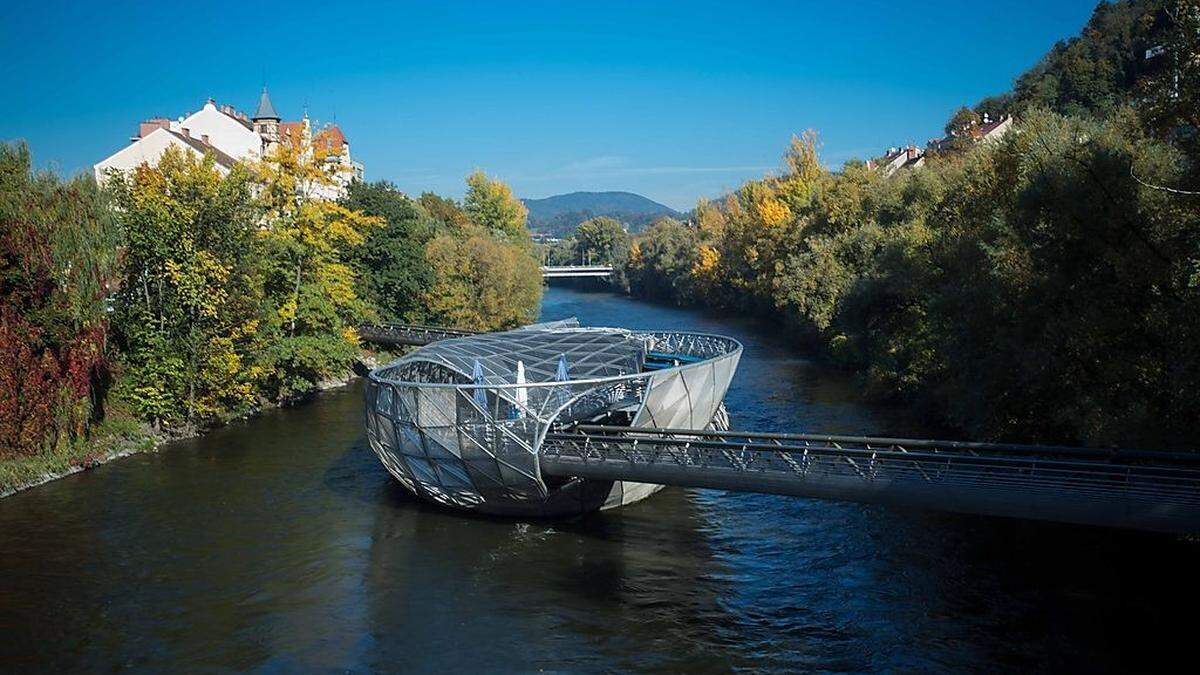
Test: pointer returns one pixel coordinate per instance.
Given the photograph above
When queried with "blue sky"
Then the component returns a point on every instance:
(673, 100)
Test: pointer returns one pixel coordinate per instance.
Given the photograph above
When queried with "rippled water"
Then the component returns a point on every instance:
(281, 544)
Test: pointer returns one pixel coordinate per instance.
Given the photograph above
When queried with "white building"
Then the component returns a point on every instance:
(230, 136)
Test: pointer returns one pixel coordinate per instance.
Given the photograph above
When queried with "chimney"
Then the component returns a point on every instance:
(147, 127)
(205, 139)
(187, 133)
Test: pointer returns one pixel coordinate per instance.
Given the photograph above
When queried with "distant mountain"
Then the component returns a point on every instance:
(559, 215)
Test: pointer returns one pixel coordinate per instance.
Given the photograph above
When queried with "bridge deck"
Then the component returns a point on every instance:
(570, 271)
(1151, 491)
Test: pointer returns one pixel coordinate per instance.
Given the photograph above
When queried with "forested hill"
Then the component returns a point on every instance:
(559, 215)
(1096, 71)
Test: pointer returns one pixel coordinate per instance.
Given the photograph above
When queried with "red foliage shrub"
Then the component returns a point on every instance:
(53, 329)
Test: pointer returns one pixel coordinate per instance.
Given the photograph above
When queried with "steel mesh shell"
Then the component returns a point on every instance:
(475, 446)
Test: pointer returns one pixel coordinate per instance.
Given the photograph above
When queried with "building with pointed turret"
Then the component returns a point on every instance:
(266, 121)
(231, 136)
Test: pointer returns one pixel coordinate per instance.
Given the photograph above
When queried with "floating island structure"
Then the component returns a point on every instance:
(460, 421)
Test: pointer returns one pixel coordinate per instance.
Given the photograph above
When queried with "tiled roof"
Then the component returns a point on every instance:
(202, 147)
(291, 130)
(330, 138)
(239, 120)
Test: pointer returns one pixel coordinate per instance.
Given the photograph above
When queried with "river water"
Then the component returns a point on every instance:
(281, 544)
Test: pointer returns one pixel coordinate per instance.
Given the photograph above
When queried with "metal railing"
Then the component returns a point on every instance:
(567, 271)
(390, 334)
(1143, 490)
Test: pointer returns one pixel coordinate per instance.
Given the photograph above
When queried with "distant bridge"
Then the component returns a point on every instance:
(1156, 491)
(575, 271)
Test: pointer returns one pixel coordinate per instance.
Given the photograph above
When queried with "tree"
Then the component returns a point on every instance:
(188, 310)
(313, 309)
(491, 204)
(661, 261)
(1172, 92)
(57, 257)
(601, 241)
(482, 282)
(390, 264)
(1095, 73)
(962, 122)
(485, 276)
(444, 210)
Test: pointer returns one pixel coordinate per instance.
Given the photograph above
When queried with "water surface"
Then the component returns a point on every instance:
(281, 544)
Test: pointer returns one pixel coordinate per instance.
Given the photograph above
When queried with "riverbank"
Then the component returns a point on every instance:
(121, 436)
(111, 440)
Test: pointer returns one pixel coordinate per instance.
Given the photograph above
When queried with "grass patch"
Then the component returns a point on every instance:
(117, 434)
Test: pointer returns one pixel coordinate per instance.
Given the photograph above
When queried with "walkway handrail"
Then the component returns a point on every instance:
(1143, 490)
(408, 334)
(902, 443)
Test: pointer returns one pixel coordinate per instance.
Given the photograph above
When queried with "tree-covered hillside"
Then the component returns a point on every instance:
(560, 215)
(1098, 70)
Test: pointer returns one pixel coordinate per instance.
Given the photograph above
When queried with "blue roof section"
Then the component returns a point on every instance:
(265, 111)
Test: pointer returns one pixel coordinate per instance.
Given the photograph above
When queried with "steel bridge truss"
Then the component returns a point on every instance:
(1143, 490)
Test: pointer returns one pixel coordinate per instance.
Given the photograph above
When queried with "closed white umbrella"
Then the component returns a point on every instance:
(522, 392)
(480, 393)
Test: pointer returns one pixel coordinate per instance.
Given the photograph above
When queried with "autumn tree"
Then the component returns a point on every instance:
(312, 305)
(490, 203)
(485, 273)
(191, 290)
(57, 258)
(482, 282)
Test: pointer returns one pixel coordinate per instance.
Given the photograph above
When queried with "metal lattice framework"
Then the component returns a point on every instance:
(452, 423)
(391, 334)
(455, 423)
(1143, 490)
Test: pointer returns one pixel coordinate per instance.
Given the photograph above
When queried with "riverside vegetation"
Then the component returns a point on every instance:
(175, 298)
(1045, 287)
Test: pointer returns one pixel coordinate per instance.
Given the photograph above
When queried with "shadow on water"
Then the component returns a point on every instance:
(281, 544)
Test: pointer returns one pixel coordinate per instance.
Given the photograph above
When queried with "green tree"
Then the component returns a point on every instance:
(1095, 73)
(601, 241)
(561, 252)
(187, 313)
(390, 265)
(661, 262)
(1172, 92)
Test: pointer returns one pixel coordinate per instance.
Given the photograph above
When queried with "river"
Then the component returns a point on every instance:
(281, 544)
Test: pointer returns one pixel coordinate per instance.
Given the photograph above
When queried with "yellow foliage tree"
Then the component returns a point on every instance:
(481, 282)
(310, 288)
(491, 204)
